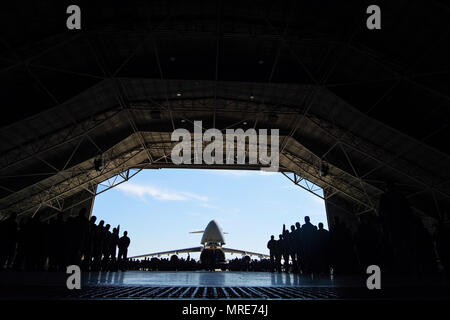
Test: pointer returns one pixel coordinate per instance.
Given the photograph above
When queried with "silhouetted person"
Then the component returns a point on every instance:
(106, 246)
(89, 250)
(34, 243)
(298, 236)
(8, 240)
(78, 230)
(443, 245)
(323, 250)
(308, 242)
(368, 244)
(56, 243)
(343, 254)
(123, 244)
(98, 245)
(278, 252)
(271, 245)
(398, 228)
(292, 247)
(425, 255)
(52, 245)
(285, 250)
(19, 260)
(45, 245)
(113, 246)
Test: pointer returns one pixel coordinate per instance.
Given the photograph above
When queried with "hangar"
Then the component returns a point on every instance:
(85, 110)
(367, 106)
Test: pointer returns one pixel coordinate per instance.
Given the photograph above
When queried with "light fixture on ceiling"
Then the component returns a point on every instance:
(98, 164)
(323, 172)
(178, 94)
(252, 97)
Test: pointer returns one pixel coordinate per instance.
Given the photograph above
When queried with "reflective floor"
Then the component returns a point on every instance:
(208, 278)
(215, 285)
(216, 278)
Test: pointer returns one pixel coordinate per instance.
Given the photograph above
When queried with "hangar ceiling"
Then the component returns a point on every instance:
(373, 107)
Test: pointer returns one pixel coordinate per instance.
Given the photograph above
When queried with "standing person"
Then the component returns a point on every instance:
(20, 258)
(398, 227)
(285, 250)
(52, 254)
(367, 243)
(90, 241)
(34, 240)
(343, 255)
(98, 245)
(113, 246)
(106, 241)
(278, 252)
(8, 241)
(271, 245)
(298, 247)
(443, 245)
(56, 243)
(323, 250)
(45, 245)
(61, 231)
(106, 246)
(123, 244)
(292, 247)
(78, 230)
(309, 235)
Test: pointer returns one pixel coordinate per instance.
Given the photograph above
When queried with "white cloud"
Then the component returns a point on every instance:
(195, 196)
(209, 206)
(156, 193)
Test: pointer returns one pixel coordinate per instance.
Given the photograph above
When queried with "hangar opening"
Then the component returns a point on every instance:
(161, 208)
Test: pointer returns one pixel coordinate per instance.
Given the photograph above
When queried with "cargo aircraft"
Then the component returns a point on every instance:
(212, 251)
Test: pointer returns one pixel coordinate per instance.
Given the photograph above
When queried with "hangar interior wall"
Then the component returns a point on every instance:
(342, 209)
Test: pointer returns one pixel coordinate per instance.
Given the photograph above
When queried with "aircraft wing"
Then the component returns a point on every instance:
(156, 254)
(248, 253)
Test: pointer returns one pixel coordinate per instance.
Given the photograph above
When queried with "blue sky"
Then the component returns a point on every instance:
(159, 208)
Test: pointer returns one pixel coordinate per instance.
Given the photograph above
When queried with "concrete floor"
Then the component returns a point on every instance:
(178, 278)
(216, 278)
(207, 278)
(220, 284)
